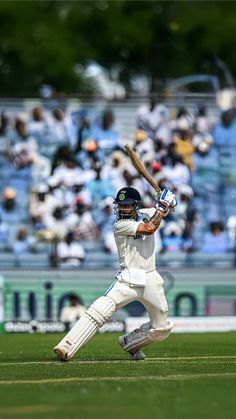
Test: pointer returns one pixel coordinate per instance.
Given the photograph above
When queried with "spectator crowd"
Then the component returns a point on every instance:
(60, 171)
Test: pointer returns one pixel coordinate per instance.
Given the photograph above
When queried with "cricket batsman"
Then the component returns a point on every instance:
(137, 279)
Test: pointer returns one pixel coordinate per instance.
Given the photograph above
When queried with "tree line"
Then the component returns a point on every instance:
(47, 42)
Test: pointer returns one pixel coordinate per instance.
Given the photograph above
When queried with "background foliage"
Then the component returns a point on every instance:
(45, 41)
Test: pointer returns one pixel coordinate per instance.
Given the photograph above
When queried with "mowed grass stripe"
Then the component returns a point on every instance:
(117, 361)
(28, 409)
(179, 377)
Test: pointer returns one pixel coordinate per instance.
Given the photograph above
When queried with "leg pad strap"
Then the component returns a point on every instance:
(101, 310)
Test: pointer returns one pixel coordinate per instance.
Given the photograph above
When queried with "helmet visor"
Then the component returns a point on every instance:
(126, 211)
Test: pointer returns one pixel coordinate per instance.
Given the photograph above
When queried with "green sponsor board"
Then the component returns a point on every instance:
(41, 295)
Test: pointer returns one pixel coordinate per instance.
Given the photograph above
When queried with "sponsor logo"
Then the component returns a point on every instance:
(112, 326)
(138, 236)
(55, 327)
(33, 327)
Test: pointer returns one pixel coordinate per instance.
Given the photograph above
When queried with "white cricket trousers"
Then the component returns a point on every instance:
(152, 296)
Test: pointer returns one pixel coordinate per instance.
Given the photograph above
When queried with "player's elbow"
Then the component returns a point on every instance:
(150, 228)
(146, 228)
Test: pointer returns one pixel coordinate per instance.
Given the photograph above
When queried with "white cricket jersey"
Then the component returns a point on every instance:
(135, 251)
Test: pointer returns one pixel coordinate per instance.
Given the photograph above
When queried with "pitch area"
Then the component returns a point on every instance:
(189, 376)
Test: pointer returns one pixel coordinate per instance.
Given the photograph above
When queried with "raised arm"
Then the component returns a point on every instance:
(166, 201)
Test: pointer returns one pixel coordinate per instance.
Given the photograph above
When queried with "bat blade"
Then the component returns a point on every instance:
(141, 169)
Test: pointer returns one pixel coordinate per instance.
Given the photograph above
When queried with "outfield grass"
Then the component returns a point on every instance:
(189, 376)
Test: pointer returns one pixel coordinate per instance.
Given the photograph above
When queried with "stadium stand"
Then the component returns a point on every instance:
(60, 168)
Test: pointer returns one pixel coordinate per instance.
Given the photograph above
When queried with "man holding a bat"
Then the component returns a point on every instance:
(137, 278)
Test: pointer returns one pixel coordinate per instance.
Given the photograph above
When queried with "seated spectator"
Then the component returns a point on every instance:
(172, 240)
(23, 243)
(175, 171)
(78, 191)
(114, 168)
(11, 214)
(199, 138)
(42, 203)
(205, 167)
(63, 194)
(26, 157)
(84, 133)
(84, 224)
(37, 124)
(186, 214)
(185, 196)
(202, 123)
(41, 168)
(22, 140)
(105, 134)
(56, 224)
(154, 119)
(183, 146)
(10, 211)
(62, 127)
(70, 252)
(73, 311)
(66, 173)
(143, 146)
(62, 154)
(5, 155)
(65, 178)
(224, 132)
(99, 187)
(216, 240)
(89, 154)
(182, 121)
(134, 180)
(161, 150)
(4, 138)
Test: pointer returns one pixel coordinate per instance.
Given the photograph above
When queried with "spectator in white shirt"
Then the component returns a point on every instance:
(67, 172)
(42, 203)
(175, 171)
(72, 312)
(154, 118)
(62, 127)
(70, 252)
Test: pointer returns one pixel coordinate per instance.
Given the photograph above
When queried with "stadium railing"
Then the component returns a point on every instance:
(98, 260)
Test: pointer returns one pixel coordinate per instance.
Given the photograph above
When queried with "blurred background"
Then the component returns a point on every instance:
(78, 80)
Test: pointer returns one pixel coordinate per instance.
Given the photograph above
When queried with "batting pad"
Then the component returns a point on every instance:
(85, 328)
(146, 335)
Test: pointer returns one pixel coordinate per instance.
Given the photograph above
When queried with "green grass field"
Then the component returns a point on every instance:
(188, 376)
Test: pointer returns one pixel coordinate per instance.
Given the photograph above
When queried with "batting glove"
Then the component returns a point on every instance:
(166, 201)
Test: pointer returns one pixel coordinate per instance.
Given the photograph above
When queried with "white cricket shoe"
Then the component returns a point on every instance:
(137, 355)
